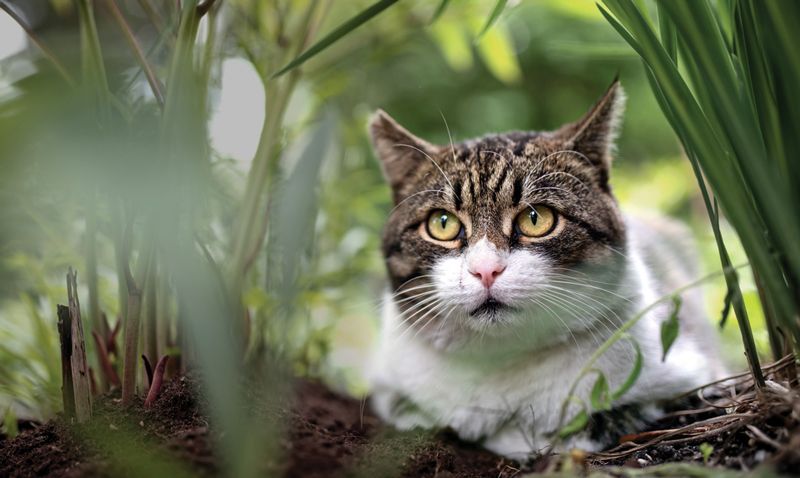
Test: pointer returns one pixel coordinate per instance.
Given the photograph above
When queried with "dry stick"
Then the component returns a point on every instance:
(158, 379)
(155, 86)
(65, 339)
(82, 390)
(35, 39)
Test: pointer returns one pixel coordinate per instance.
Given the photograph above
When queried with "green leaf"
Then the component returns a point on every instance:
(633, 376)
(498, 55)
(706, 450)
(575, 425)
(498, 9)
(670, 327)
(439, 10)
(600, 397)
(10, 423)
(337, 34)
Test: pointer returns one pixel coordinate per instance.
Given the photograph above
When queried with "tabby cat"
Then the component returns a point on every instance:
(510, 263)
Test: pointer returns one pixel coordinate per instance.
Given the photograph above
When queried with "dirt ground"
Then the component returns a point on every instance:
(327, 434)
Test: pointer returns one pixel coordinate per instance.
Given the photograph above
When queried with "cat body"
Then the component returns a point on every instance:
(510, 263)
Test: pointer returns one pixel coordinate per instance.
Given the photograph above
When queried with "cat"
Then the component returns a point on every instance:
(510, 262)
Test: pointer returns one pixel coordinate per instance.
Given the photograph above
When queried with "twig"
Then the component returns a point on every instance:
(38, 42)
(155, 86)
(738, 419)
(763, 437)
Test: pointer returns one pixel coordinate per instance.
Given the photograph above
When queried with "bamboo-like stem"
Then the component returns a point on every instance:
(152, 14)
(120, 239)
(151, 308)
(133, 43)
(250, 230)
(163, 322)
(94, 72)
(95, 317)
(46, 51)
(130, 354)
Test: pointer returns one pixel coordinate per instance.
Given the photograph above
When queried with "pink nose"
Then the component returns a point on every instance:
(487, 272)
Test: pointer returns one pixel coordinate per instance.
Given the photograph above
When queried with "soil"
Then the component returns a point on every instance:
(328, 434)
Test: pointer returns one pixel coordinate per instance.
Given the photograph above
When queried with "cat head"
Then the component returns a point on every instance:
(501, 229)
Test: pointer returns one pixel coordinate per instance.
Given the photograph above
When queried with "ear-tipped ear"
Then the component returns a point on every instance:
(595, 134)
(399, 151)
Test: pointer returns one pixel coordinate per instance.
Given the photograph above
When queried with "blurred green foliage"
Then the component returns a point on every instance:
(541, 64)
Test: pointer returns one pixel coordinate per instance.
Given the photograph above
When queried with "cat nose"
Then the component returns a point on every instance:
(487, 271)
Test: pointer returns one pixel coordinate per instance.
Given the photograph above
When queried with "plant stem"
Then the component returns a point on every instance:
(250, 227)
(94, 72)
(132, 321)
(48, 53)
(622, 331)
(155, 86)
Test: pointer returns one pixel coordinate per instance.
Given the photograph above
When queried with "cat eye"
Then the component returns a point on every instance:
(536, 221)
(443, 225)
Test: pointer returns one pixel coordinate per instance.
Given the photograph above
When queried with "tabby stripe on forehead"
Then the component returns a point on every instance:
(457, 200)
(501, 178)
(516, 196)
(475, 177)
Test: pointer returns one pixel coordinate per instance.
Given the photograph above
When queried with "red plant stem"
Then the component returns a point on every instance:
(158, 378)
(102, 352)
(148, 370)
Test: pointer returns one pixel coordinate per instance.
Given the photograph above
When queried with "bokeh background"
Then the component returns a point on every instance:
(542, 64)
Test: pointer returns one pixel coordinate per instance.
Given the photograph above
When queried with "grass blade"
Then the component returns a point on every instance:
(336, 35)
(439, 10)
(498, 9)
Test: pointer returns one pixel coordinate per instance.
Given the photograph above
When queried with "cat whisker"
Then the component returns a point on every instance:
(438, 191)
(449, 136)
(433, 161)
(563, 173)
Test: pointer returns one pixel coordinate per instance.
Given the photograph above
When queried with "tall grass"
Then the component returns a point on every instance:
(144, 177)
(725, 75)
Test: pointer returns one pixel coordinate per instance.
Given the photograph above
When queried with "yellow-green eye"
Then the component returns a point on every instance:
(443, 225)
(536, 221)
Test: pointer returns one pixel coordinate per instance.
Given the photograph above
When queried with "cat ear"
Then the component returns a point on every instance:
(399, 151)
(595, 134)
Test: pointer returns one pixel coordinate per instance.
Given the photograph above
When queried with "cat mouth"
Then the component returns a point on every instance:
(490, 309)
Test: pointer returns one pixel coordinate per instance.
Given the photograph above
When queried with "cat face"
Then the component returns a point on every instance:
(504, 229)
